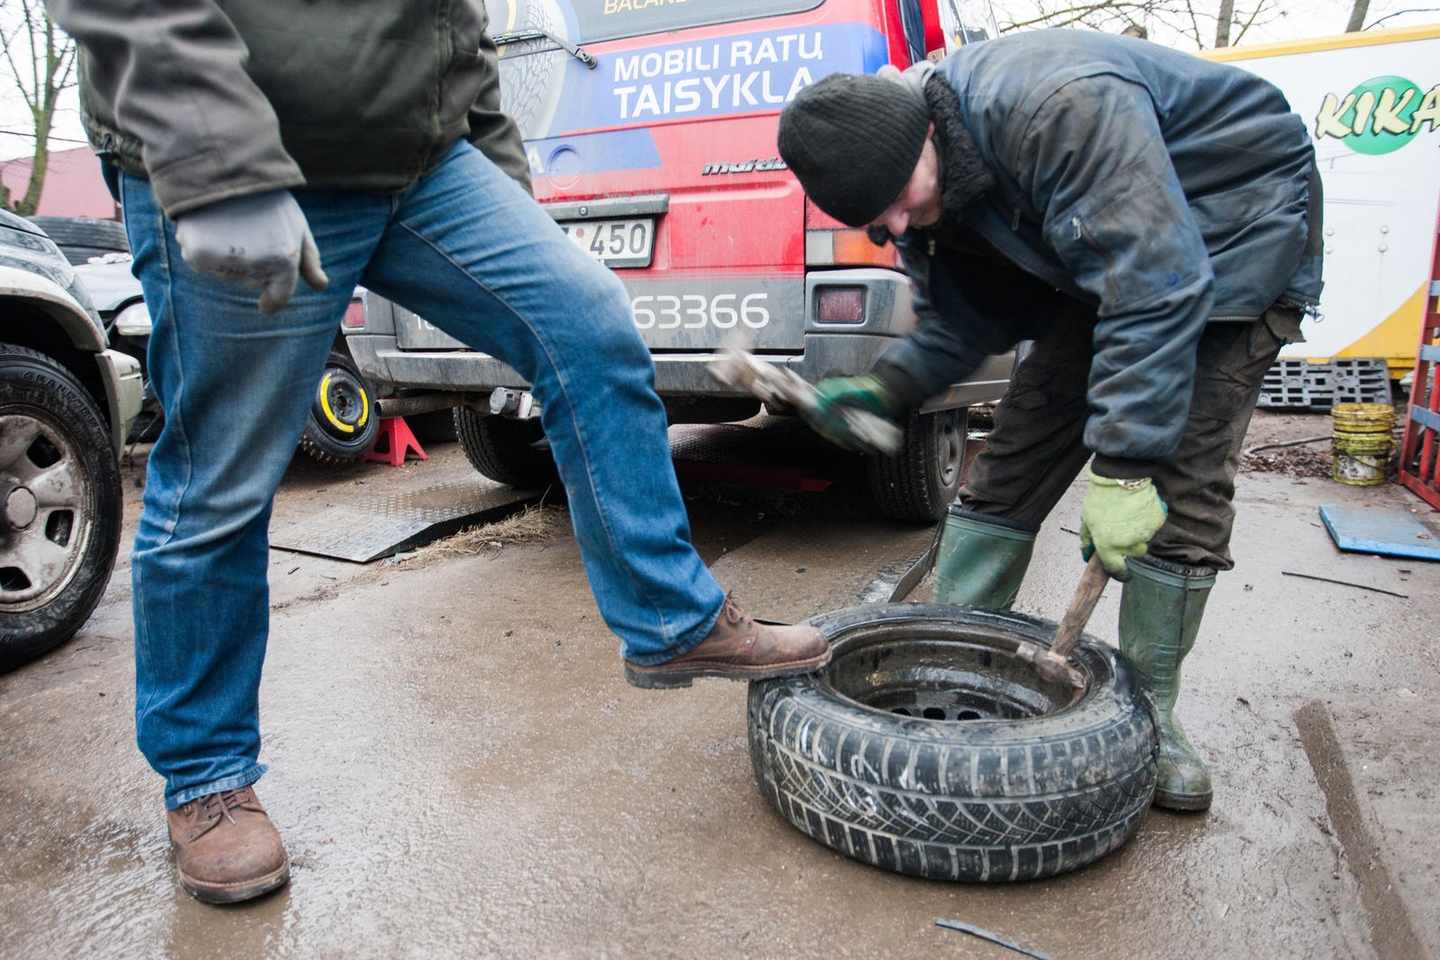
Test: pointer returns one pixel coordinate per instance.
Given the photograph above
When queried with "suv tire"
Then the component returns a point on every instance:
(509, 451)
(60, 505)
(923, 478)
(929, 747)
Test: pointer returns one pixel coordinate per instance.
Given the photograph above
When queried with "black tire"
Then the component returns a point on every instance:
(930, 748)
(921, 481)
(343, 421)
(508, 451)
(57, 548)
(81, 238)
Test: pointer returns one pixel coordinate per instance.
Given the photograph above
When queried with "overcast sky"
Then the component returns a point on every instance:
(1320, 18)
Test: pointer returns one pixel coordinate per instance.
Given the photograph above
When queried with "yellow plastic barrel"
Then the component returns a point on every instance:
(1361, 442)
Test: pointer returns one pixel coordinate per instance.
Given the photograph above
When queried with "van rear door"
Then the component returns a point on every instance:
(650, 131)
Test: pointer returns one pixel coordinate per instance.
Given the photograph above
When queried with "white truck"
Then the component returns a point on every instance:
(1372, 102)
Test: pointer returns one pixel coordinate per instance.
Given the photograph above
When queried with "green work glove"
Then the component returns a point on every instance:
(834, 396)
(1118, 519)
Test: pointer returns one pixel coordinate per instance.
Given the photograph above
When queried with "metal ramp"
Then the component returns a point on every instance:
(377, 527)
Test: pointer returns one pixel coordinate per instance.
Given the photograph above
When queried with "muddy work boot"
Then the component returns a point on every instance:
(226, 848)
(982, 560)
(1160, 610)
(738, 647)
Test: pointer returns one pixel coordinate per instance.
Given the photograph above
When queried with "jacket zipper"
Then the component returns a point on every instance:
(1082, 234)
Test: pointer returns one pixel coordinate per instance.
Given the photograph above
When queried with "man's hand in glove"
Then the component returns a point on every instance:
(834, 396)
(261, 240)
(1118, 519)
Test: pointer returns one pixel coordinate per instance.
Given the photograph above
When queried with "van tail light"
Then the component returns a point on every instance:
(354, 318)
(830, 243)
(846, 248)
(840, 305)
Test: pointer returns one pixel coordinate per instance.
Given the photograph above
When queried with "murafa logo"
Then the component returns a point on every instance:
(749, 166)
(1379, 116)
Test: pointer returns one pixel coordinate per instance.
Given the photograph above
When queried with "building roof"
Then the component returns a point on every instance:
(73, 187)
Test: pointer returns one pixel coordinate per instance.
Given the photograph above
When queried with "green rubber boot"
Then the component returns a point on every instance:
(1160, 609)
(980, 561)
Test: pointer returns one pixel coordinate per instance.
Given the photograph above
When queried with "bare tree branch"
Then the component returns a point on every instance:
(1222, 23)
(1357, 16)
(1195, 20)
(39, 60)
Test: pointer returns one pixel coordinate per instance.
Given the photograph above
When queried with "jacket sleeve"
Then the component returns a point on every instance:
(175, 73)
(1091, 160)
(951, 337)
(493, 131)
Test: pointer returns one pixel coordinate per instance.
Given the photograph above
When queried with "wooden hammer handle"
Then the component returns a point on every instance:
(1087, 594)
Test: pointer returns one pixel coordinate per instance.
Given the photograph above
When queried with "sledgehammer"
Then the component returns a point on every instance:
(1053, 663)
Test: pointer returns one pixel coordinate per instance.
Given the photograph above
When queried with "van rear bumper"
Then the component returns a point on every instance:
(434, 361)
(676, 374)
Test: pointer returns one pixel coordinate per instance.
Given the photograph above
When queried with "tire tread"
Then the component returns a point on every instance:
(923, 798)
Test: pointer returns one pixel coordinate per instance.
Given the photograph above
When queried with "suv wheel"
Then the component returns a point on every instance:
(508, 451)
(922, 479)
(60, 505)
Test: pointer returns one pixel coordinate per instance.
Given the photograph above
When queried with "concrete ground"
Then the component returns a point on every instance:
(459, 768)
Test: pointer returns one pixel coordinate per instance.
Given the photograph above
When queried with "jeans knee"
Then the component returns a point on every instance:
(608, 326)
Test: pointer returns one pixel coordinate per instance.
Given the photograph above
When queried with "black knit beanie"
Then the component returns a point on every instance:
(854, 140)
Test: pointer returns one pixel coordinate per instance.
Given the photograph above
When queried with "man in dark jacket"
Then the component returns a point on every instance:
(256, 140)
(1151, 221)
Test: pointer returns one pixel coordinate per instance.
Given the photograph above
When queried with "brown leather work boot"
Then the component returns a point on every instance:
(738, 647)
(226, 848)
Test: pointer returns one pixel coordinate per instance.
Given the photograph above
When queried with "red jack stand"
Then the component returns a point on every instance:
(394, 442)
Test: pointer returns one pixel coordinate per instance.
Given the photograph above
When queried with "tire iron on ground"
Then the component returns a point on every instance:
(1053, 663)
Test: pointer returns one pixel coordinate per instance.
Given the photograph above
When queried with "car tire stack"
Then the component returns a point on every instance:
(80, 238)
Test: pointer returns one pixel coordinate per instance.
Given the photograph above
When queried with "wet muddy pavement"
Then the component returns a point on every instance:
(459, 769)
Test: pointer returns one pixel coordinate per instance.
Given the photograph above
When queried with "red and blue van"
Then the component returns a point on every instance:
(650, 131)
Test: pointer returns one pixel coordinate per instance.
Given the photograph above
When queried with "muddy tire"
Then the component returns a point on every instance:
(343, 422)
(508, 451)
(921, 480)
(60, 505)
(928, 747)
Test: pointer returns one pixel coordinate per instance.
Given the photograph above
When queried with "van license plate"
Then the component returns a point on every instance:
(615, 243)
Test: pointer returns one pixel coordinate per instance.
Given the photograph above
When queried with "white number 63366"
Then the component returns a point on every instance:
(692, 311)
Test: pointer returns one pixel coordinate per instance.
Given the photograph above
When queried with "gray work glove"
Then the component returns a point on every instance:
(261, 240)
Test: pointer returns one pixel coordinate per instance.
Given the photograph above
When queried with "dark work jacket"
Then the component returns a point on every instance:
(1165, 190)
(211, 99)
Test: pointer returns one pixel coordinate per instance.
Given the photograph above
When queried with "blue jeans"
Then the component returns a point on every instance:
(470, 251)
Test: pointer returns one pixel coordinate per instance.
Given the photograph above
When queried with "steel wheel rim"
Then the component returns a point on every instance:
(342, 403)
(936, 672)
(950, 447)
(43, 558)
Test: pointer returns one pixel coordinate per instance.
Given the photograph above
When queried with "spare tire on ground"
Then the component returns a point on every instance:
(929, 747)
(81, 238)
